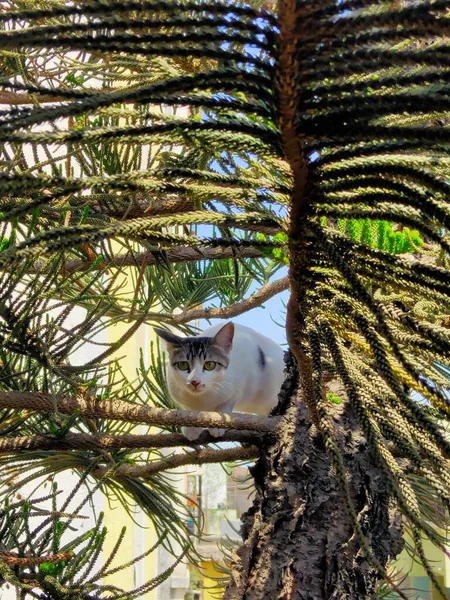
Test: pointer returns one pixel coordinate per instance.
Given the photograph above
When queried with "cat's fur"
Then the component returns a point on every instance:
(247, 377)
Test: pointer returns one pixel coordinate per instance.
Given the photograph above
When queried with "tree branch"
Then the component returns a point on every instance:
(17, 98)
(12, 558)
(85, 441)
(137, 208)
(197, 457)
(174, 255)
(300, 251)
(133, 413)
(262, 295)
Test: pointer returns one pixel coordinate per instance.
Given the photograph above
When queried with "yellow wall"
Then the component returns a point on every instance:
(138, 539)
(210, 590)
(418, 579)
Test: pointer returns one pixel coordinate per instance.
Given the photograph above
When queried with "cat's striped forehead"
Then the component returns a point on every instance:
(196, 347)
(202, 348)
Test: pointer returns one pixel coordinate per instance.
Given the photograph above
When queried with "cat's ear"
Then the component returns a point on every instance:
(224, 337)
(170, 338)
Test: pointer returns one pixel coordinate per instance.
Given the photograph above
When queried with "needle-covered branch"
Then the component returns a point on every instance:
(175, 255)
(197, 457)
(11, 558)
(85, 441)
(262, 295)
(15, 98)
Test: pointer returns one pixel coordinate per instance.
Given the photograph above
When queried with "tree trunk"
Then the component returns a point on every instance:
(298, 538)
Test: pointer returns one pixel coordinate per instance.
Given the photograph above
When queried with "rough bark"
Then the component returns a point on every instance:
(197, 457)
(174, 255)
(86, 441)
(298, 540)
(238, 308)
(115, 409)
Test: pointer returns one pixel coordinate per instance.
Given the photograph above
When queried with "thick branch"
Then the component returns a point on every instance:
(175, 255)
(137, 209)
(293, 25)
(262, 295)
(12, 558)
(85, 441)
(198, 457)
(132, 413)
(15, 98)
(288, 69)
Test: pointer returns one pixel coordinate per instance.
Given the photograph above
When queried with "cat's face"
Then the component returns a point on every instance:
(199, 364)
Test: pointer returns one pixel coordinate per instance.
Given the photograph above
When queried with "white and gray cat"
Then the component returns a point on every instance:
(226, 367)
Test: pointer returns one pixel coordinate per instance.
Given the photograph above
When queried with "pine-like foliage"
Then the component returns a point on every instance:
(37, 553)
(334, 111)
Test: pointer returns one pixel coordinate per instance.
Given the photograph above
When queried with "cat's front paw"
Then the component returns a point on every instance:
(217, 432)
(192, 433)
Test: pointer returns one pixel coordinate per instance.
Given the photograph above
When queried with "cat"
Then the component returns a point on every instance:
(226, 367)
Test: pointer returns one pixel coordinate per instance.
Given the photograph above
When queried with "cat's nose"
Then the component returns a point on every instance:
(195, 383)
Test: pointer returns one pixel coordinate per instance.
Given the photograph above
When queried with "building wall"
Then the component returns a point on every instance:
(417, 579)
(140, 534)
(210, 590)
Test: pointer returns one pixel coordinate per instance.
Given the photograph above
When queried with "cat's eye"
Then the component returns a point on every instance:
(209, 365)
(183, 365)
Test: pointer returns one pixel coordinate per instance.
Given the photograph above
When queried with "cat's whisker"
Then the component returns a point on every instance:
(216, 385)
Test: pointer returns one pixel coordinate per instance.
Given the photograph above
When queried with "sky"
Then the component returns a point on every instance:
(268, 319)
